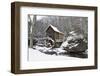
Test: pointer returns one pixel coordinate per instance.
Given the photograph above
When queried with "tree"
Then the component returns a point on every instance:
(32, 20)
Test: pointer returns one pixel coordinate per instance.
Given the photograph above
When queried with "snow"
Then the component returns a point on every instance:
(70, 38)
(64, 44)
(35, 52)
(55, 29)
(72, 33)
(36, 55)
(59, 49)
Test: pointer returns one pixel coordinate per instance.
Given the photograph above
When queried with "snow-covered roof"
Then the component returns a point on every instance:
(55, 29)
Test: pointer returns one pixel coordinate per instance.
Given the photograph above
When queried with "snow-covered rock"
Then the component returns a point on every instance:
(75, 43)
(64, 44)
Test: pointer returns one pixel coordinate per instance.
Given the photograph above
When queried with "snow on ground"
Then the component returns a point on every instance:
(36, 55)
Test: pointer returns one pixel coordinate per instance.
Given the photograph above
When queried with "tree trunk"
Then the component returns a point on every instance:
(32, 32)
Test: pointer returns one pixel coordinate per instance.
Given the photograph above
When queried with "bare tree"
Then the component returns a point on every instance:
(33, 20)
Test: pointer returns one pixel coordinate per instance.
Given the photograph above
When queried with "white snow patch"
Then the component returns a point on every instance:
(36, 55)
(59, 50)
(64, 44)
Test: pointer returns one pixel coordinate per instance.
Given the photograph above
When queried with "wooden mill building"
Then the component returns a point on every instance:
(55, 34)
